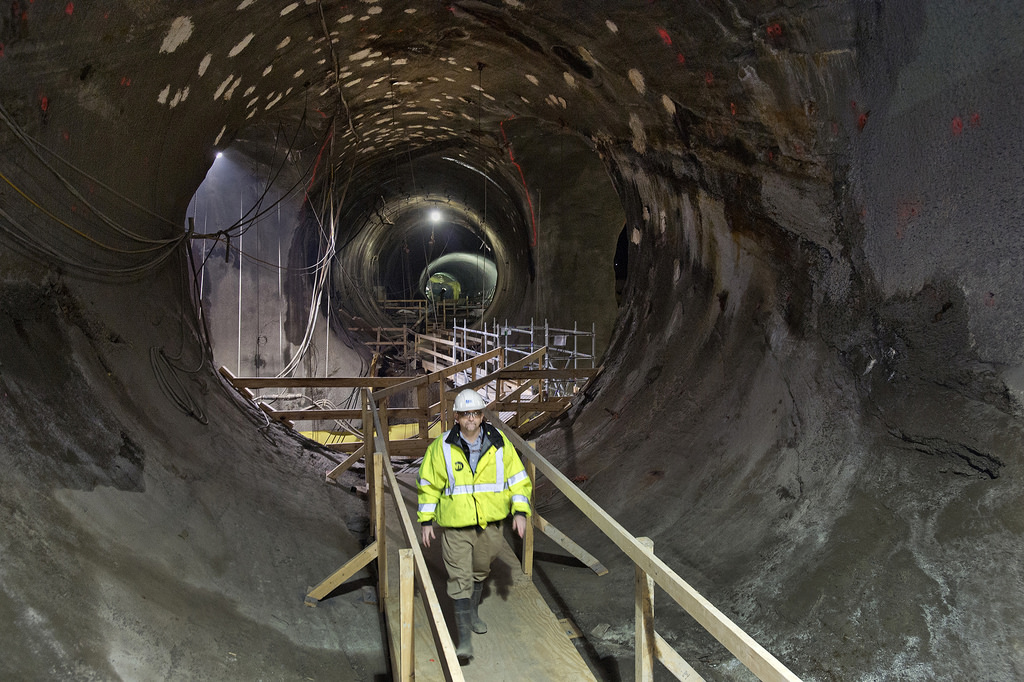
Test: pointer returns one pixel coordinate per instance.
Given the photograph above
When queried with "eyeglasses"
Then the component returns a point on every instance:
(478, 414)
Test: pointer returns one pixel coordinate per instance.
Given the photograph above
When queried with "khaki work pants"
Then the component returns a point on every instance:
(467, 554)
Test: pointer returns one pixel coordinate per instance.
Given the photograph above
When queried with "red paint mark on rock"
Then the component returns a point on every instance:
(1, 49)
(957, 126)
(862, 120)
(126, 81)
(732, 108)
(853, 105)
(774, 31)
(679, 57)
(69, 9)
(906, 212)
(44, 102)
(975, 117)
(665, 37)
(709, 77)
(66, 135)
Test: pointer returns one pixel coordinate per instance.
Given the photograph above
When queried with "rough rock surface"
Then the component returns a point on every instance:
(812, 388)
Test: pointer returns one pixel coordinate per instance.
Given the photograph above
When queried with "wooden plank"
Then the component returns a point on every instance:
(518, 364)
(524, 640)
(566, 543)
(442, 638)
(351, 567)
(534, 423)
(531, 471)
(406, 385)
(435, 339)
(755, 657)
(377, 499)
(556, 405)
(545, 373)
(406, 447)
(406, 647)
(643, 614)
(344, 466)
(423, 403)
(313, 414)
(313, 382)
(675, 663)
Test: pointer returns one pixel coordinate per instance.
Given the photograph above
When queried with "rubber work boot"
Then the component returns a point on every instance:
(479, 627)
(464, 623)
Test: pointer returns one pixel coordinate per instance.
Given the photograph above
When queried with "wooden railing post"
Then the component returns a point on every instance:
(381, 529)
(368, 458)
(531, 471)
(406, 650)
(423, 403)
(644, 614)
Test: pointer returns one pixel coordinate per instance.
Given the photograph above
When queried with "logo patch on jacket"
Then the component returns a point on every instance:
(458, 466)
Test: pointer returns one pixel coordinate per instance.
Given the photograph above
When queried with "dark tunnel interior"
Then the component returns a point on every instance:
(793, 226)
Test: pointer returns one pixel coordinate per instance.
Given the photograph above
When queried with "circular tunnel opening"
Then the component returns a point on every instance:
(443, 267)
(431, 241)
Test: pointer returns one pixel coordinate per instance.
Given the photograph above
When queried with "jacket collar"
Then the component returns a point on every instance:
(491, 436)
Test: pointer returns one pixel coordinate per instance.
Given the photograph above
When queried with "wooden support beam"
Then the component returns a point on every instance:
(351, 567)
(439, 630)
(406, 641)
(406, 447)
(554, 405)
(561, 374)
(675, 663)
(367, 441)
(566, 543)
(344, 466)
(311, 382)
(377, 499)
(344, 415)
(517, 365)
(531, 471)
(754, 656)
(423, 404)
(643, 612)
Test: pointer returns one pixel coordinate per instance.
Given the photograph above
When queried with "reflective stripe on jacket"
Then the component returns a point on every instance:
(450, 493)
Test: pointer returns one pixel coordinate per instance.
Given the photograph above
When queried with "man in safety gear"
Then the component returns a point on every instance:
(470, 480)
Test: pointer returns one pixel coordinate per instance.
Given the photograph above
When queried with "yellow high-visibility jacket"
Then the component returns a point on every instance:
(450, 493)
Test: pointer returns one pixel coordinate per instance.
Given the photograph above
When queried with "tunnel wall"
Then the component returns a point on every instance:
(154, 524)
(818, 374)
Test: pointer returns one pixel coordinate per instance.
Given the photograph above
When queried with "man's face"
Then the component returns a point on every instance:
(469, 422)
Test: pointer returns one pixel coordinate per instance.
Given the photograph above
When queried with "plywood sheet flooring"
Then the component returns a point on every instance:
(524, 639)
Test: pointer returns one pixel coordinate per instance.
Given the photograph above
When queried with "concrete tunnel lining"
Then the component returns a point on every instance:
(811, 395)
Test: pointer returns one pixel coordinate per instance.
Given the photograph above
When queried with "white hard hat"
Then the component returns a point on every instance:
(469, 400)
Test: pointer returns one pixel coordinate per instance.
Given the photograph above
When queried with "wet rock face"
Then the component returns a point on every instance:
(62, 437)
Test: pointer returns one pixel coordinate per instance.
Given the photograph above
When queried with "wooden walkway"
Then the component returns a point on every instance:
(524, 640)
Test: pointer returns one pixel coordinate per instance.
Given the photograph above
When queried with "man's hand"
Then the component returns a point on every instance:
(427, 533)
(519, 523)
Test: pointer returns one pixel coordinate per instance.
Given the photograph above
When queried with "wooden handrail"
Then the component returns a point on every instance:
(754, 656)
(438, 628)
(435, 376)
(316, 382)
